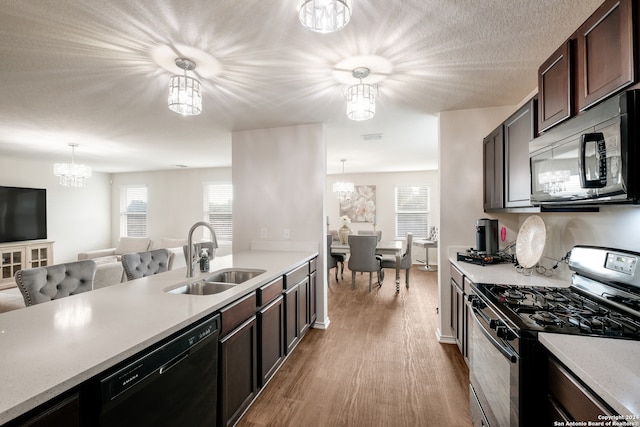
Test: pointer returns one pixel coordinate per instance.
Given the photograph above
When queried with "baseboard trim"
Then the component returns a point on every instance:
(445, 339)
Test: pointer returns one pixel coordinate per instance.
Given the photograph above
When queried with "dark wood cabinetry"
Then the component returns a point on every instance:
(605, 53)
(291, 308)
(457, 307)
(270, 330)
(238, 354)
(65, 412)
(519, 130)
(494, 170)
(555, 88)
(569, 399)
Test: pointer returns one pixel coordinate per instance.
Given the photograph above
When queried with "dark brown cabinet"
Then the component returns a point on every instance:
(291, 308)
(238, 354)
(270, 330)
(519, 130)
(605, 53)
(494, 170)
(303, 307)
(555, 88)
(457, 307)
(63, 413)
(313, 287)
(569, 399)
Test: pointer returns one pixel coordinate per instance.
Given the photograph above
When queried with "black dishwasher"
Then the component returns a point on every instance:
(173, 384)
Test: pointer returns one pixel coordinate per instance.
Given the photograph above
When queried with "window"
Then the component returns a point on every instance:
(133, 211)
(218, 204)
(412, 211)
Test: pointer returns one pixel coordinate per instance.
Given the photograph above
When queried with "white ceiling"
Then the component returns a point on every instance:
(95, 73)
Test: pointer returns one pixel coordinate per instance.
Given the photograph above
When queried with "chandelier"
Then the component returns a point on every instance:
(324, 16)
(72, 174)
(361, 98)
(185, 93)
(343, 189)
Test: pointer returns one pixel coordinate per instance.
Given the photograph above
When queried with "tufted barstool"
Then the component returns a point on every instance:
(42, 284)
(143, 264)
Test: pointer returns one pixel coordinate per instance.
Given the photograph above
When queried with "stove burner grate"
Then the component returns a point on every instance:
(545, 318)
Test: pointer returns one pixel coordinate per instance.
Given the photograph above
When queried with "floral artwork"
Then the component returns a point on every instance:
(362, 205)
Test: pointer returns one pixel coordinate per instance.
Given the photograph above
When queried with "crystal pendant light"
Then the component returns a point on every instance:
(185, 93)
(361, 98)
(324, 16)
(343, 189)
(72, 174)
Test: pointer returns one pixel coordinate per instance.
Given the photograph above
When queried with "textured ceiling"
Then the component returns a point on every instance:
(95, 73)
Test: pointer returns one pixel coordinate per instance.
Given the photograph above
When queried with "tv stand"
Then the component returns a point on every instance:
(22, 255)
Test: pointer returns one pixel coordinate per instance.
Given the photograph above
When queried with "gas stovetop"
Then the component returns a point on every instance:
(474, 256)
(603, 298)
(561, 310)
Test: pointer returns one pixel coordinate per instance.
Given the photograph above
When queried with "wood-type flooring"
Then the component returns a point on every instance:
(378, 364)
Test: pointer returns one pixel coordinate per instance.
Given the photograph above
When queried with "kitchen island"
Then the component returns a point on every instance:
(608, 366)
(47, 349)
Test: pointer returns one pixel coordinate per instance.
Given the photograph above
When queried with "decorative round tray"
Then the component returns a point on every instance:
(530, 241)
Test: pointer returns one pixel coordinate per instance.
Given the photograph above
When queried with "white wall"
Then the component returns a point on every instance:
(77, 218)
(385, 201)
(279, 181)
(175, 200)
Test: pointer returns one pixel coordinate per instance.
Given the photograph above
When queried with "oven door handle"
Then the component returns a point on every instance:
(506, 352)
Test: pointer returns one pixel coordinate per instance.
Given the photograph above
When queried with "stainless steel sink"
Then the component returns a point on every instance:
(233, 275)
(202, 288)
(219, 281)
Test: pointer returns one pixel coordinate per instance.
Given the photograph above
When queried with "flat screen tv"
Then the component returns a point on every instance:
(23, 214)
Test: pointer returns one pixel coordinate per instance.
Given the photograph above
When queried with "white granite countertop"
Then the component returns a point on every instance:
(610, 367)
(49, 348)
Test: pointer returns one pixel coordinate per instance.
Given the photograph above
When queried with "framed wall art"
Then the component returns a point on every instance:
(362, 205)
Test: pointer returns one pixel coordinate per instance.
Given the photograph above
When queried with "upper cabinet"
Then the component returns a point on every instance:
(597, 61)
(494, 170)
(519, 130)
(604, 53)
(554, 86)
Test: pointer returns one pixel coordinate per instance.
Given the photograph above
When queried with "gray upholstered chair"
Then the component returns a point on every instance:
(362, 257)
(42, 284)
(143, 264)
(389, 261)
(331, 260)
(370, 233)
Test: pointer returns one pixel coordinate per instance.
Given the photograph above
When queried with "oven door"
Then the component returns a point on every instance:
(494, 369)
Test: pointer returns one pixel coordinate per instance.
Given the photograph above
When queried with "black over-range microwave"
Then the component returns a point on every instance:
(593, 158)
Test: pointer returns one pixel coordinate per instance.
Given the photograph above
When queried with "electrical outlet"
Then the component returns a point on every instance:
(263, 232)
(287, 233)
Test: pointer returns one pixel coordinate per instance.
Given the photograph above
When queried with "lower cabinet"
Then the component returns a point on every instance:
(270, 339)
(63, 413)
(291, 307)
(457, 307)
(237, 355)
(304, 314)
(313, 287)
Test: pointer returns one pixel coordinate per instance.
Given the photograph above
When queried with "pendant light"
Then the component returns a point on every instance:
(72, 174)
(324, 16)
(185, 93)
(361, 98)
(343, 189)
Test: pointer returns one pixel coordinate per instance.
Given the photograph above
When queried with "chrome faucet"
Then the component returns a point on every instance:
(190, 262)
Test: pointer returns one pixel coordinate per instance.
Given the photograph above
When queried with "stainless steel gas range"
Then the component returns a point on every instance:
(506, 360)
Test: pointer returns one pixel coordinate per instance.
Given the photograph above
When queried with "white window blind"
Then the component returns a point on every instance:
(133, 211)
(412, 211)
(218, 204)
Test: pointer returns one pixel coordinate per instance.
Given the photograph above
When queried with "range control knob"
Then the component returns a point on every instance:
(495, 324)
(504, 333)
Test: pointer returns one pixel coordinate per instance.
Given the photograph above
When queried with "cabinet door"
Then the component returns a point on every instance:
(605, 61)
(238, 372)
(303, 307)
(291, 317)
(494, 170)
(313, 309)
(554, 88)
(12, 259)
(518, 132)
(65, 413)
(270, 339)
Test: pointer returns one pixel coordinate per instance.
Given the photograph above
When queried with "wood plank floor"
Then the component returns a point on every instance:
(378, 364)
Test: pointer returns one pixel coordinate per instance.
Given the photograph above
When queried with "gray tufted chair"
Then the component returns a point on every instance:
(389, 261)
(362, 250)
(43, 284)
(143, 264)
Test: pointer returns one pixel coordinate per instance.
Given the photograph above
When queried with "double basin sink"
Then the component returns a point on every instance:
(217, 282)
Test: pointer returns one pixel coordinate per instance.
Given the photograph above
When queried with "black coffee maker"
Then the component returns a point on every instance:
(487, 236)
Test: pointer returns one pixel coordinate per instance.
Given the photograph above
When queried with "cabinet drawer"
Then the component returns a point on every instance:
(296, 276)
(235, 314)
(576, 399)
(313, 265)
(270, 291)
(456, 275)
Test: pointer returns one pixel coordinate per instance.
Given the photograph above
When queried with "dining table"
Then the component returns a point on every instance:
(384, 247)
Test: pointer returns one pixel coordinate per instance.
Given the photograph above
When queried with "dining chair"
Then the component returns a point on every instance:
(362, 257)
(389, 261)
(331, 261)
(371, 233)
(143, 264)
(42, 284)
